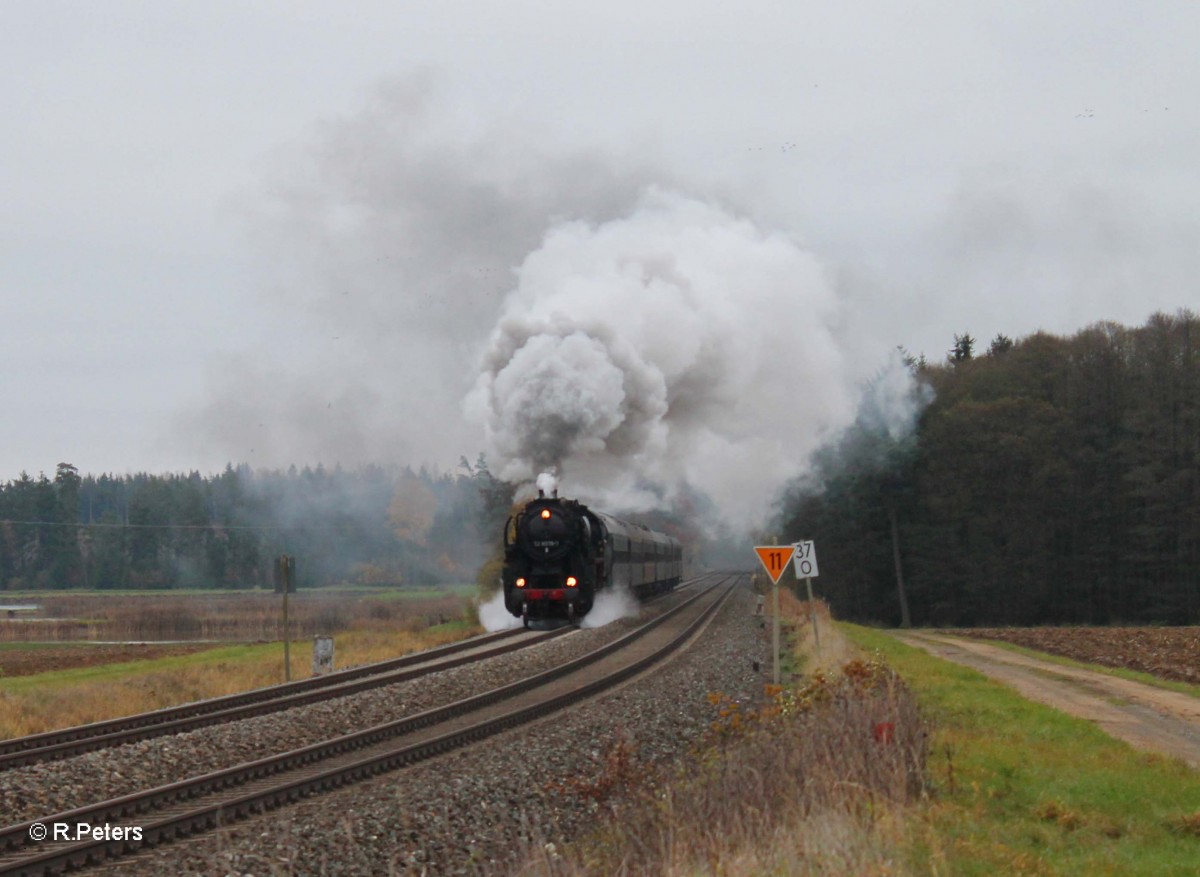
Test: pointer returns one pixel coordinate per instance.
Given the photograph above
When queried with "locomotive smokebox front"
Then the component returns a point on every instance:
(546, 571)
(546, 534)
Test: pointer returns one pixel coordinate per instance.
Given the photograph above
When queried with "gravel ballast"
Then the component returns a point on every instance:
(452, 815)
(39, 790)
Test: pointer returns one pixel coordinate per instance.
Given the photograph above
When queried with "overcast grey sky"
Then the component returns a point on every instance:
(275, 232)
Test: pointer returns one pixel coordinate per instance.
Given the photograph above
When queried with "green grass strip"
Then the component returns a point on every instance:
(124, 670)
(1022, 789)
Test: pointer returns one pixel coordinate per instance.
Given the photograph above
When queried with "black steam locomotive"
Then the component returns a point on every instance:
(559, 554)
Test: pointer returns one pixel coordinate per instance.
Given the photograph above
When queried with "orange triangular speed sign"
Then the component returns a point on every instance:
(775, 559)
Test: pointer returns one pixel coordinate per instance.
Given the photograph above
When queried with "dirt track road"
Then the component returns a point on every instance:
(1142, 715)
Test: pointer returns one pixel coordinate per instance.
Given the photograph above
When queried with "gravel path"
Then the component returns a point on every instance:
(467, 810)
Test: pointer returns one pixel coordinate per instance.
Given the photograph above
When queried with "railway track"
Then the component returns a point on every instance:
(202, 803)
(64, 743)
(67, 742)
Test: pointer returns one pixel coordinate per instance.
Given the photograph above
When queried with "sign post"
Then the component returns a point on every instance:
(805, 559)
(774, 559)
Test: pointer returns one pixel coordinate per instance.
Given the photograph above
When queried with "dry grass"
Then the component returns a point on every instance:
(813, 783)
(42, 702)
(832, 651)
(226, 617)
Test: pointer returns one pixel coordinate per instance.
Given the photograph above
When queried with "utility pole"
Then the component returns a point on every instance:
(905, 620)
(285, 571)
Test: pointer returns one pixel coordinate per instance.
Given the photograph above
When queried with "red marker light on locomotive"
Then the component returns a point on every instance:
(520, 583)
(572, 581)
(545, 514)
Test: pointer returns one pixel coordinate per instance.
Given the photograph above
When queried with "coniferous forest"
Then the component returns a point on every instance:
(1048, 480)
(366, 526)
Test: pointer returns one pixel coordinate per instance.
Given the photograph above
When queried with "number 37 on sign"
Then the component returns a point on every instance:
(805, 558)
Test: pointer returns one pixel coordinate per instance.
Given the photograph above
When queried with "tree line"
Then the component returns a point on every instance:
(371, 525)
(1051, 480)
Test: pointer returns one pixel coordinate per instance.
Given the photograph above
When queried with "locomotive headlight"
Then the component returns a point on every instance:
(545, 514)
(572, 581)
(520, 583)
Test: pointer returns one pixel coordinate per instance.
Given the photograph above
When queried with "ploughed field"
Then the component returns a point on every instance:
(1166, 652)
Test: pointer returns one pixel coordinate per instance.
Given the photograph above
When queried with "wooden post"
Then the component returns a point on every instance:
(775, 625)
(905, 619)
(285, 568)
(775, 633)
(812, 612)
(287, 644)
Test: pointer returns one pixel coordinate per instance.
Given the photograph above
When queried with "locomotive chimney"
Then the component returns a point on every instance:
(541, 493)
(547, 484)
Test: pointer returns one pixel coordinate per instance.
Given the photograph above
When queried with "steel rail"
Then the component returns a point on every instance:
(66, 742)
(16, 838)
(54, 745)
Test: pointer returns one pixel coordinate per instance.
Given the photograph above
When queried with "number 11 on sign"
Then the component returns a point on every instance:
(774, 559)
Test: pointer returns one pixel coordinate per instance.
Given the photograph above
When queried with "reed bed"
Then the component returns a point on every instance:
(233, 617)
(365, 629)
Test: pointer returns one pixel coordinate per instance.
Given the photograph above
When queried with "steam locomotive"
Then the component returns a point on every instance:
(559, 554)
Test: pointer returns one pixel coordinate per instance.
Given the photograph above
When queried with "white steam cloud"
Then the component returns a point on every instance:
(676, 344)
(611, 605)
(891, 401)
(547, 483)
(494, 615)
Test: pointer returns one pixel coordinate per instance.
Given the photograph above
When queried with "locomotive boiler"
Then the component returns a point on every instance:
(559, 555)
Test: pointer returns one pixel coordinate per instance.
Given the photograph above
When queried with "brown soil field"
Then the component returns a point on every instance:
(27, 661)
(1144, 715)
(1165, 652)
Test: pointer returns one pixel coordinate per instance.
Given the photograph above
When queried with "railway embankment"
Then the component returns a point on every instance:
(811, 779)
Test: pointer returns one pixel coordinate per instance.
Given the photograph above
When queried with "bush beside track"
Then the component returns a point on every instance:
(808, 781)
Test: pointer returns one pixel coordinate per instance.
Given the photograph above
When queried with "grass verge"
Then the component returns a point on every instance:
(1018, 788)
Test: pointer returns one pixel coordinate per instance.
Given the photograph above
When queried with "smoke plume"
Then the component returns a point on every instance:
(676, 344)
(639, 340)
(386, 244)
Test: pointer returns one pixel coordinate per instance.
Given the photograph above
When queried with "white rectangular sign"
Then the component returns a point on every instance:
(322, 655)
(805, 560)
